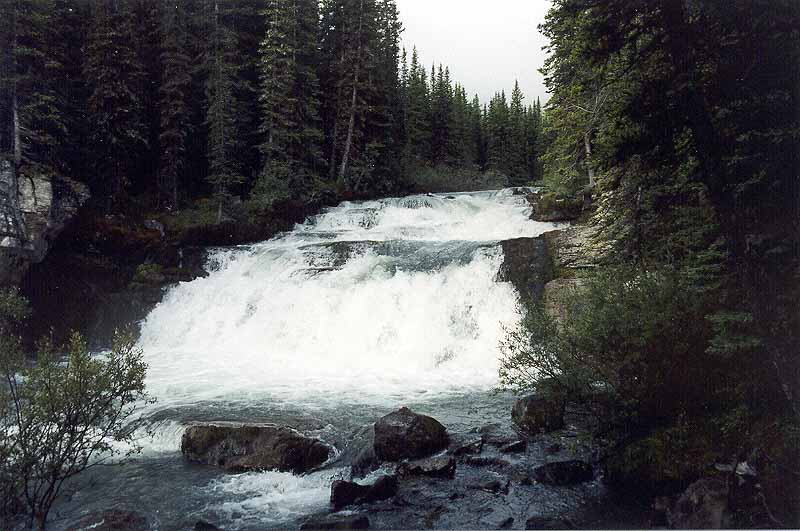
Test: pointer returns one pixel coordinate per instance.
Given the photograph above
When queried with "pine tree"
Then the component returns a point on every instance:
(224, 171)
(517, 163)
(418, 108)
(289, 100)
(497, 134)
(174, 103)
(113, 71)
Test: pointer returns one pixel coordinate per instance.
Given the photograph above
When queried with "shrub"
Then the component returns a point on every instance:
(60, 416)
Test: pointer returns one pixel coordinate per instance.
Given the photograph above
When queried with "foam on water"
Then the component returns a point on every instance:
(299, 319)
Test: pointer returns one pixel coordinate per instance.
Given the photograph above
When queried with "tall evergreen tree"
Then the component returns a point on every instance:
(224, 171)
(289, 99)
(113, 71)
(175, 91)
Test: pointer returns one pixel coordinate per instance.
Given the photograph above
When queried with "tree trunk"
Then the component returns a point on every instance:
(351, 123)
(587, 144)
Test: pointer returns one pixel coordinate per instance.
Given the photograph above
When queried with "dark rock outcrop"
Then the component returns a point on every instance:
(704, 505)
(564, 472)
(111, 520)
(549, 207)
(344, 493)
(405, 434)
(435, 467)
(357, 521)
(527, 264)
(33, 211)
(535, 414)
(246, 448)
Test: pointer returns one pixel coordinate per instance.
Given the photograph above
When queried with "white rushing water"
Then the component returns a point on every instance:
(366, 307)
(378, 300)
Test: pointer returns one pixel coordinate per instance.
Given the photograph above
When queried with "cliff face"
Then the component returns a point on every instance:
(33, 211)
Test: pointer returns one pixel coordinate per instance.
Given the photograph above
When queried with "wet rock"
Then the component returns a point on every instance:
(507, 523)
(494, 486)
(547, 522)
(473, 447)
(553, 448)
(535, 414)
(205, 526)
(550, 207)
(111, 520)
(247, 448)
(437, 467)
(514, 447)
(498, 435)
(527, 265)
(487, 462)
(405, 434)
(357, 521)
(344, 493)
(365, 462)
(704, 505)
(564, 472)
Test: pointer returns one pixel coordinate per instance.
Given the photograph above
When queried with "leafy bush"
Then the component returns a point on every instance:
(640, 337)
(60, 416)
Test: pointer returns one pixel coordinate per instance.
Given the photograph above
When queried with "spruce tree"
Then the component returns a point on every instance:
(174, 95)
(289, 100)
(113, 72)
(224, 171)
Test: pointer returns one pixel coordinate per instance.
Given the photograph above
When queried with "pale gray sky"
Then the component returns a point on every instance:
(486, 43)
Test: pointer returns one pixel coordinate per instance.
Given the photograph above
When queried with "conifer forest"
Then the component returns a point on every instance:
(270, 264)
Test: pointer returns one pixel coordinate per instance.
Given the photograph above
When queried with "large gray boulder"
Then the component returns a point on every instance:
(405, 434)
(33, 211)
(247, 448)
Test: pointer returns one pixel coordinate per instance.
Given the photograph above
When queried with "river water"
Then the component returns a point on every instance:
(364, 308)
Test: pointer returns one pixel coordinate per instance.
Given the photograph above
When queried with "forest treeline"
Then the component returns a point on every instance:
(257, 99)
(682, 121)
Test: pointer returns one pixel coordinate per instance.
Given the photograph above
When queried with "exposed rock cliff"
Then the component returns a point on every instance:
(33, 211)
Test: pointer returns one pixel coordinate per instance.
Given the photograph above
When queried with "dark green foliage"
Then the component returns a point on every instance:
(113, 72)
(60, 416)
(681, 119)
(175, 92)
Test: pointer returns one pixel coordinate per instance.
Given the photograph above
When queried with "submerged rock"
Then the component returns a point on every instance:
(535, 414)
(357, 521)
(111, 520)
(472, 447)
(436, 467)
(564, 472)
(514, 447)
(548, 522)
(405, 434)
(344, 493)
(247, 448)
(205, 526)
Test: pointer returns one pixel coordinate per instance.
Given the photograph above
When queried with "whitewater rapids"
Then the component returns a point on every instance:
(378, 302)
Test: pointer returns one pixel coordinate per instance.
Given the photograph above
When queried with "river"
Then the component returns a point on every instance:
(365, 307)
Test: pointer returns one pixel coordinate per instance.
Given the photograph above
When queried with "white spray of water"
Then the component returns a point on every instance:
(325, 313)
(380, 302)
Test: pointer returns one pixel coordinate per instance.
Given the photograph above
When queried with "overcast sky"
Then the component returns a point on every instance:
(486, 43)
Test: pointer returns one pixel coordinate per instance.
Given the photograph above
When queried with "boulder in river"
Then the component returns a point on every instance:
(564, 472)
(247, 448)
(111, 520)
(356, 521)
(535, 414)
(435, 467)
(405, 434)
(344, 493)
